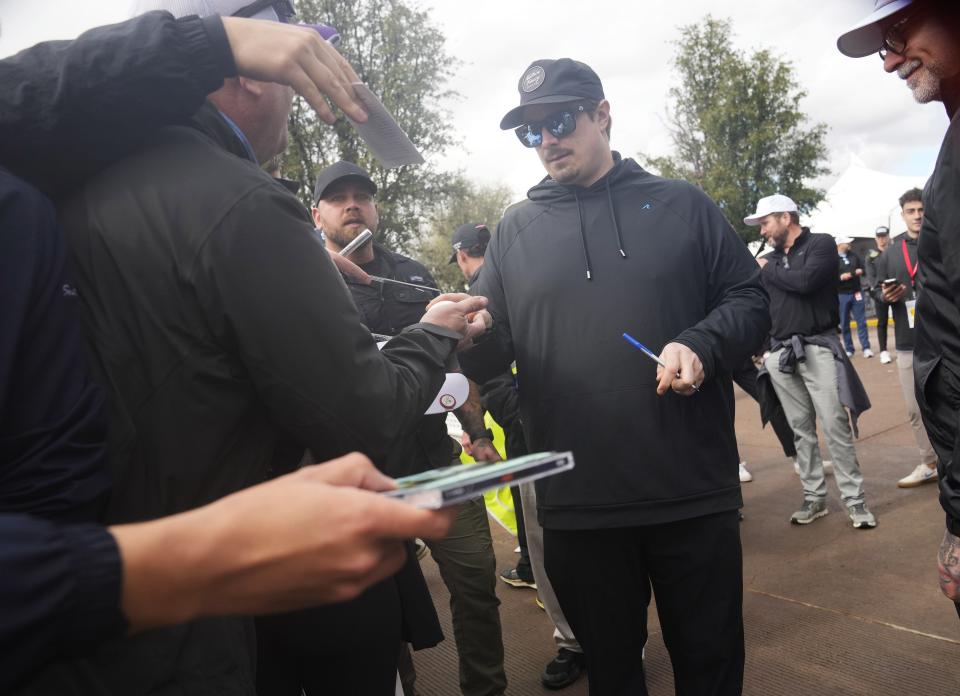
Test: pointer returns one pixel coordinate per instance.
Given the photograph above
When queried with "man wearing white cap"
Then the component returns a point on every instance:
(806, 363)
(920, 41)
(227, 345)
(851, 297)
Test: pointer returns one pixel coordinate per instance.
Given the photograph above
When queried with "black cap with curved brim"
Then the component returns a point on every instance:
(337, 172)
(866, 36)
(553, 82)
(882, 231)
(469, 235)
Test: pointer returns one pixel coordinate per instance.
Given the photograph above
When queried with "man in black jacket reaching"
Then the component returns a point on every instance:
(602, 247)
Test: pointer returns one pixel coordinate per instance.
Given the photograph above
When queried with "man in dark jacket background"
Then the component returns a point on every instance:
(601, 248)
(850, 293)
(882, 309)
(345, 205)
(918, 40)
(806, 363)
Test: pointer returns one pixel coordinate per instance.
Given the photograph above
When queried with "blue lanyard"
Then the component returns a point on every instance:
(239, 134)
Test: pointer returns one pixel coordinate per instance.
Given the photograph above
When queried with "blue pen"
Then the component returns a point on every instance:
(649, 353)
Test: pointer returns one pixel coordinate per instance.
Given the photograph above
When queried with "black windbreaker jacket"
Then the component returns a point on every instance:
(228, 343)
(938, 303)
(566, 274)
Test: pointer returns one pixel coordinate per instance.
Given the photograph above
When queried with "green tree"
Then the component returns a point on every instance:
(736, 126)
(465, 202)
(401, 55)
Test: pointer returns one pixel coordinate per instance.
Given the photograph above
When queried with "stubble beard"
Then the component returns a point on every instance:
(923, 79)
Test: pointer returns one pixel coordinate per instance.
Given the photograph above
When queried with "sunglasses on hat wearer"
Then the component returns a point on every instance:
(894, 40)
(283, 8)
(559, 124)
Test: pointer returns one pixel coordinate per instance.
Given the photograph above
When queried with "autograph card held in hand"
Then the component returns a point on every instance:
(382, 134)
(450, 485)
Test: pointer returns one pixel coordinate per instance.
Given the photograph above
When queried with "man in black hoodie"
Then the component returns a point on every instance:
(602, 247)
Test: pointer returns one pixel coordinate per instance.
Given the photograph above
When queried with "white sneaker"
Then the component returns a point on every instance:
(849, 353)
(745, 476)
(919, 476)
(885, 358)
(867, 353)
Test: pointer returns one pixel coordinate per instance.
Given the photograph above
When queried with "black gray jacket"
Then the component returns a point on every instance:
(567, 273)
(228, 344)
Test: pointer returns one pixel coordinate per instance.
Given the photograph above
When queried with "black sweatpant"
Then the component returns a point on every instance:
(603, 579)
(883, 319)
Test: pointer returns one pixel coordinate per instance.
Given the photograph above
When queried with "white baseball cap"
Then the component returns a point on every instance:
(275, 11)
(844, 240)
(777, 203)
(866, 36)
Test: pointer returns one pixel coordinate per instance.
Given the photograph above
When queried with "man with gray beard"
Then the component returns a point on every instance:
(919, 40)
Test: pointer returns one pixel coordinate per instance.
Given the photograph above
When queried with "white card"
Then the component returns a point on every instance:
(382, 134)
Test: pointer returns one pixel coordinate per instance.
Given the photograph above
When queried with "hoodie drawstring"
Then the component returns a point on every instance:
(613, 216)
(583, 236)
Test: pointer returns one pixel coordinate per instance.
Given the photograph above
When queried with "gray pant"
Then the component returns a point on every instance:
(905, 371)
(807, 394)
(562, 633)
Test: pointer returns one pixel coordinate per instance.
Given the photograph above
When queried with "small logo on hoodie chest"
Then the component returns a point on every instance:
(646, 206)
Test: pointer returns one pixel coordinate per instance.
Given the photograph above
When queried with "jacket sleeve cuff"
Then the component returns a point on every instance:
(701, 349)
(98, 580)
(206, 42)
(953, 525)
(435, 330)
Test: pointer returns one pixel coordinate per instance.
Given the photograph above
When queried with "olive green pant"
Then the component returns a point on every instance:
(468, 568)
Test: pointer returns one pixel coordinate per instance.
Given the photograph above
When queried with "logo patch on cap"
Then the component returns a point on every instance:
(533, 78)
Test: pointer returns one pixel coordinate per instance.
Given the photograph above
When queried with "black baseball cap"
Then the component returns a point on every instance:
(882, 231)
(338, 171)
(551, 81)
(467, 236)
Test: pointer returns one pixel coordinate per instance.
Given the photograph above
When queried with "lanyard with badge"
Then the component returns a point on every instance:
(912, 271)
(911, 268)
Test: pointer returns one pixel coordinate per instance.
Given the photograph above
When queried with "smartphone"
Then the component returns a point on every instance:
(890, 281)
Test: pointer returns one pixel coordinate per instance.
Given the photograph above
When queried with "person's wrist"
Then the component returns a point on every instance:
(485, 434)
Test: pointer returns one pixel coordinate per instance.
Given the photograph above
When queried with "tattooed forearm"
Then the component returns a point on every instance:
(949, 566)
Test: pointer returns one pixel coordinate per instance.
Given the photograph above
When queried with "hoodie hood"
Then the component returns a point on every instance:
(550, 192)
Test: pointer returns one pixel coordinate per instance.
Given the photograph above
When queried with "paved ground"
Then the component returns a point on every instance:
(828, 609)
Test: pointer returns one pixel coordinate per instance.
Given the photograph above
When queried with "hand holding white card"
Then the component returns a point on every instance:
(382, 134)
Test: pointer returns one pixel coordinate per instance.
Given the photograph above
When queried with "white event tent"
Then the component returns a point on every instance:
(861, 200)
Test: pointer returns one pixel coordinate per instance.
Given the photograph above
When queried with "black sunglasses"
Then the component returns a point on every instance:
(283, 8)
(893, 39)
(559, 125)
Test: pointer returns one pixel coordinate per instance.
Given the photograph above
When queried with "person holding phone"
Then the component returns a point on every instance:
(851, 297)
(900, 269)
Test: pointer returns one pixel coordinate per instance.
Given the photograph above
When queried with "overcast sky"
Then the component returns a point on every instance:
(630, 45)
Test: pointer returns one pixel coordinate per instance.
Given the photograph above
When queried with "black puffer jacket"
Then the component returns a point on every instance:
(566, 274)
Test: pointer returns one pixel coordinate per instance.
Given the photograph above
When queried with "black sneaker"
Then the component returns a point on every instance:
(563, 670)
(511, 577)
